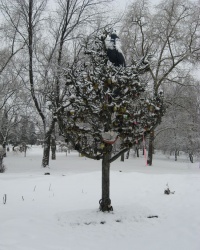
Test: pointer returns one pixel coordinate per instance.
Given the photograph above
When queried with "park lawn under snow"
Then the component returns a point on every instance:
(60, 211)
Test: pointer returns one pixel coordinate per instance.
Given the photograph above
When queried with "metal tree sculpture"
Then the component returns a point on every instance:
(105, 107)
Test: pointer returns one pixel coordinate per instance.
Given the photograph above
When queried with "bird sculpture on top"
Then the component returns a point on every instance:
(114, 52)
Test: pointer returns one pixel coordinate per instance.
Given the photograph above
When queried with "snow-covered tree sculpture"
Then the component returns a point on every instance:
(108, 105)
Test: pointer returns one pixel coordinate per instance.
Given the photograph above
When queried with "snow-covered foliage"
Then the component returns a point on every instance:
(108, 99)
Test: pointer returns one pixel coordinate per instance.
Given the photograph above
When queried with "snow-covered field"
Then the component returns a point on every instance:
(60, 211)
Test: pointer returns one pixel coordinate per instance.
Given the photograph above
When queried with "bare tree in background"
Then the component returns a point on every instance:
(170, 34)
(10, 100)
(10, 47)
(180, 129)
(47, 49)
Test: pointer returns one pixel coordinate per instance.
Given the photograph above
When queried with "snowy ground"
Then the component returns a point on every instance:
(60, 211)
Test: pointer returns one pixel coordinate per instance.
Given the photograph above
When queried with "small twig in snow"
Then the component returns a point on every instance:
(4, 199)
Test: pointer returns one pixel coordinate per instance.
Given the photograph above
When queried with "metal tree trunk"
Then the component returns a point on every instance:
(105, 202)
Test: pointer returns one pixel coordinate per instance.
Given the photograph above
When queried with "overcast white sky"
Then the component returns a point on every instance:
(120, 4)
